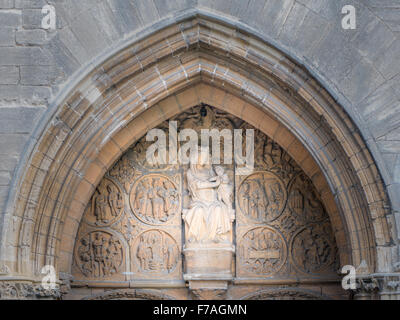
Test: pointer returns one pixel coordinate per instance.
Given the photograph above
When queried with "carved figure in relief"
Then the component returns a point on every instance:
(170, 196)
(107, 203)
(304, 201)
(225, 188)
(101, 203)
(207, 219)
(114, 200)
(255, 205)
(262, 196)
(156, 252)
(155, 199)
(99, 255)
(142, 254)
(262, 250)
(312, 250)
(84, 254)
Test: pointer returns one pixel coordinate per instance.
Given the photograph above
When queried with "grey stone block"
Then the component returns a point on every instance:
(9, 93)
(333, 56)
(3, 195)
(6, 4)
(389, 146)
(361, 81)
(31, 37)
(12, 144)
(382, 97)
(126, 15)
(19, 119)
(305, 30)
(397, 174)
(291, 27)
(373, 38)
(62, 55)
(103, 15)
(147, 11)
(390, 16)
(9, 75)
(390, 161)
(35, 94)
(30, 4)
(394, 191)
(238, 8)
(10, 19)
(89, 34)
(5, 178)
(167, 7)
(7, 37)
(251, 13)
(222, 6)
(38, 75)
(382, 3)
(384, 62)
(25, 94)
(395, 84)
(24, 56)
(32, 18)
(386, 124)
(8, 162)
(393, 135)
(66, 39)
(275, 14)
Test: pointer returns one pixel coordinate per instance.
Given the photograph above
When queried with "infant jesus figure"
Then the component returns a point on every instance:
(225, 189)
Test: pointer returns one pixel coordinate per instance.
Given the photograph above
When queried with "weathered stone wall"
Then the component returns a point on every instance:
(359, 67)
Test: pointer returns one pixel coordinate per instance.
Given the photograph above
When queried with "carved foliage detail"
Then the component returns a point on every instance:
(124, 171)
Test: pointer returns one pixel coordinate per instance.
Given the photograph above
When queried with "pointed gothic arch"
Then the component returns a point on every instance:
(195, 60)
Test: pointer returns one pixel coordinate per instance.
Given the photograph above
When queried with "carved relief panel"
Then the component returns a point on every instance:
(139, 218)
(282, 228)
(131, 229)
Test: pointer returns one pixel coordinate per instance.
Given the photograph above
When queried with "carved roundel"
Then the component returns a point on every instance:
(312, 248)
(263, 251)
(106, 205)
(155, 199)
(262, 197)
(155, 251)
(99, 254)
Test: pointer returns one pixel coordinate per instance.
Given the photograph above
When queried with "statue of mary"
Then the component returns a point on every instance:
(207, 219)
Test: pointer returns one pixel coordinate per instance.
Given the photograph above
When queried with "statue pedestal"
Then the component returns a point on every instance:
(208, 269)
(208, 261)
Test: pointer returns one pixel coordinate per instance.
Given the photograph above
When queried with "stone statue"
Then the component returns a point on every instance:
(208, 219)
(225, 188)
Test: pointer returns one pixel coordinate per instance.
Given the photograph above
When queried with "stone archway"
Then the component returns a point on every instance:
(132, 231)
(197, 60)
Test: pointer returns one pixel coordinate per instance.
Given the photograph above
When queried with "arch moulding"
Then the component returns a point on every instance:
(193, 61)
